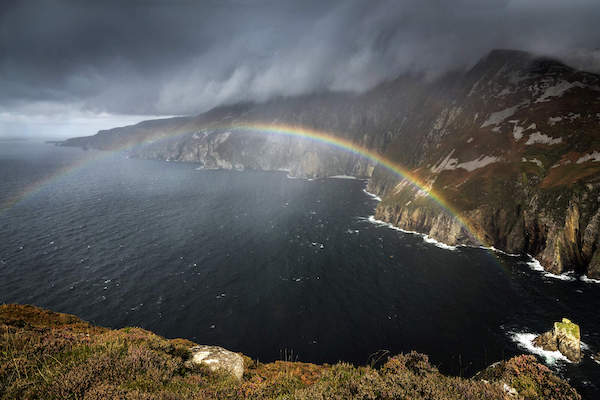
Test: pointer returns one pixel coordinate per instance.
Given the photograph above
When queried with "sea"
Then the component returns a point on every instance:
(274, 267)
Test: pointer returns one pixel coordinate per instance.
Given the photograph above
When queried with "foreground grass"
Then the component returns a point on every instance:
(48, 355)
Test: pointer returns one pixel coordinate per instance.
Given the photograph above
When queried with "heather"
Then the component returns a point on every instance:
(48, 355)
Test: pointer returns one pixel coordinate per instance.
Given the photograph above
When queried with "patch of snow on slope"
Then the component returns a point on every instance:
(481, 162)
(570, 116)
(595, 156)
(446, 163)
(497, 117)
(538, 137)
(558, 90)
(518, 132)
(449, 164)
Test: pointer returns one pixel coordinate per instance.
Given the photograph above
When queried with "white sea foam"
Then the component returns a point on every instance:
(288, 176)
(491, 248)
(525, 341)
(342, 177)
(373, 195)
(426, 238)
(536, 266)
(585, 279)
(501, 251)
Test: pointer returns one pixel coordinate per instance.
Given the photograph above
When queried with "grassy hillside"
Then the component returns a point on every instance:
(48, 355)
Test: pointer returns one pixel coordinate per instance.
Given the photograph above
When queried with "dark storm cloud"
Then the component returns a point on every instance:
(176, 57)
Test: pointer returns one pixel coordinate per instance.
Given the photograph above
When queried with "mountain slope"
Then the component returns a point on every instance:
(512, 146)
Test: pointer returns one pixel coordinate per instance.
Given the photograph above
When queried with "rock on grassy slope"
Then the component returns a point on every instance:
(48, 355)
(512, 145)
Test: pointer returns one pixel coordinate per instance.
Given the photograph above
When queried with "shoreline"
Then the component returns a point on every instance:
(533, 264)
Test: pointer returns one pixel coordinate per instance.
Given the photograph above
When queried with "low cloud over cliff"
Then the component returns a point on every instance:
(181, 57)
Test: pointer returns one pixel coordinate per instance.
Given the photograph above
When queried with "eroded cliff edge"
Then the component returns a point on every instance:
(511, 145)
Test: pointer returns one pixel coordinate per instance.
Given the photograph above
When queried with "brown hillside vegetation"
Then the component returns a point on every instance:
(48, 355)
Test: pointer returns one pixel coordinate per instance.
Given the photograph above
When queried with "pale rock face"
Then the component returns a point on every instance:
(217, 359)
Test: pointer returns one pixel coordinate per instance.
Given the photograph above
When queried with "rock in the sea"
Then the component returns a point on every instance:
(564, 337)
(217, 359)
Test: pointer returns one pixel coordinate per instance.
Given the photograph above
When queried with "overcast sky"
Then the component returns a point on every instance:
(72, 67)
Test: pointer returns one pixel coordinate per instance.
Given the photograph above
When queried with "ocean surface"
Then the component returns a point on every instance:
(273, 267)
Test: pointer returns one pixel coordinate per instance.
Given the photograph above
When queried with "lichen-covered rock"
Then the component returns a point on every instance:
(216, 359)
(565, 337)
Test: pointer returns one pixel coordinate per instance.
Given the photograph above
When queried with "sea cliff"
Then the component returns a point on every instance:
(512, 146)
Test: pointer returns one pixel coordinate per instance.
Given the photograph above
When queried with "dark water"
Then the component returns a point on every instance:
(269, 266)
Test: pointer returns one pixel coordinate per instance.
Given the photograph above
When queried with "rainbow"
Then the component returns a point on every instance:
(285, 130)
(349, 146)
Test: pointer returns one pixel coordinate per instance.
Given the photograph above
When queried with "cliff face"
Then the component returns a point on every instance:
(512, 146)
(518, 161)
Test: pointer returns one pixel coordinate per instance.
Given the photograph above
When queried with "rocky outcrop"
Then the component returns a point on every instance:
(564, 337)
(511, 146)
(522, 378)
(216, 358)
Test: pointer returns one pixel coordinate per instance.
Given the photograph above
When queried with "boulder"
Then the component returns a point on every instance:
(564, 337)
(546, 341)
(216, 359)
